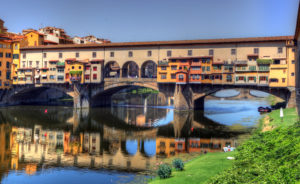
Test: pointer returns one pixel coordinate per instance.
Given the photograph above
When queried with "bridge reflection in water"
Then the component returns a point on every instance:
(127, 139)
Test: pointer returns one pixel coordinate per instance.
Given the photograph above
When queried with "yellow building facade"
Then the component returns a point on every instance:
(34, 38)
(5, 62)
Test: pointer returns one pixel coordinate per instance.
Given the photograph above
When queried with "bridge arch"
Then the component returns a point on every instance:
(149, 69)
(44, 94)
(112, 70)
(288, 95)
(130, 69)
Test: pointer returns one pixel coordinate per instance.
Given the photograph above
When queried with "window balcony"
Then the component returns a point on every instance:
(163, 63)
(75, 79)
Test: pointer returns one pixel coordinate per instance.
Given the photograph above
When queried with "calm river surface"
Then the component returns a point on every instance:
(111, 145)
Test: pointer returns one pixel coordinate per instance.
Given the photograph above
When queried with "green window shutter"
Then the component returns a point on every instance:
(254, 79)
(267, 79)
(237, 78)
(245, 79)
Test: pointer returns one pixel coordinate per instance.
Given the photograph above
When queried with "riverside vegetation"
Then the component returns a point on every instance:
(272, 156)
(268, 157)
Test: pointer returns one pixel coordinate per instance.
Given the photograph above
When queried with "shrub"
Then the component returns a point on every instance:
(178, 164)
(269, 157)
(164, 171)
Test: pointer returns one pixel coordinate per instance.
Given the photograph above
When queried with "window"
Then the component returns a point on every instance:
(77, 54)
(277, 62)
(256, 50)
(293, 74)
(15, 56)
(173, 76)
(293, 61)
(208, 68)
(24, 65)
(37, 63)
(163, 68)
(73, 67)
(94, 76)
(293, 50)
(196, 67)
(273, 80)
(228, 78)
(60, 70)
(16, 47)
(95, 68)
(252, 68)
(44, 55)
(30, 63)
(283, 79)
(52, 77)
(94, 54)
(87, 77)
(163, 76)
(169, 53)
(263, 78)
(217, 67)
(60, 55)
(7, 65)
(8, 75)
(112, 54)
(24, 55)
(211, 52)
(1, 54)
(233, 51)
(130, 54)
(79, 67)
(279, 50)
(149, 53)
(174, 67)
(203, 69)
(87, 68)
(45, 64)
(190, 52)
(8, 55)
(180, 77)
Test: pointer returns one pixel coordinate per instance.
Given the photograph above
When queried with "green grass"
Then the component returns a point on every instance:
(273, 100)
(199, 170)
(290, 117)
(268, 157)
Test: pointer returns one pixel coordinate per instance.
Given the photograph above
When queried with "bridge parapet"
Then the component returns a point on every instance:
(130, 80)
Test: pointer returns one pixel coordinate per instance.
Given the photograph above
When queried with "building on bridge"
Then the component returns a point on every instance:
(242, 61)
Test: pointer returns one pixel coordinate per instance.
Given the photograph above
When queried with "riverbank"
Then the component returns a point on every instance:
(271, 156)
(199, 170)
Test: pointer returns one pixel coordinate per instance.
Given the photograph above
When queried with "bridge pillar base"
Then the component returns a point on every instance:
(291, 100)
(199, 103)
(183, 98)
(81, 102)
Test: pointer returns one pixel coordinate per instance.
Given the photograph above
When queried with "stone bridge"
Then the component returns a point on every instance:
(186, 97)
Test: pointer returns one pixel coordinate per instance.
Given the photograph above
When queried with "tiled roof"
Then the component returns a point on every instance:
(162, 43)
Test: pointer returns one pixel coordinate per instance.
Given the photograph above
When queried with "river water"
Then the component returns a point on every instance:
(112, 145)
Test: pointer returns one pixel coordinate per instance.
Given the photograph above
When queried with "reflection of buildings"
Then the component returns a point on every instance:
(137, 116)
(165, 146)
(202, 144)
(63, 148)
(5, 150)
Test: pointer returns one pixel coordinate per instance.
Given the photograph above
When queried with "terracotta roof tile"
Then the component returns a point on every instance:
(162, 43)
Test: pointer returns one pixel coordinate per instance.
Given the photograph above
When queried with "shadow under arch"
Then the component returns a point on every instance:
(112, 70)
(130, 69)
(45, 95)
(149, 69)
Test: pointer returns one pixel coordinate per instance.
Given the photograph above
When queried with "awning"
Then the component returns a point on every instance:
(44, 75)
(37, 76)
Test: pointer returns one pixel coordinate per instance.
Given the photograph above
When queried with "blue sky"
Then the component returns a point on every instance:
(148, 20)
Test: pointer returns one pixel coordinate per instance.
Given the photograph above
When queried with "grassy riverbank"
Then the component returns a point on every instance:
(272, 156)
(199, 170)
